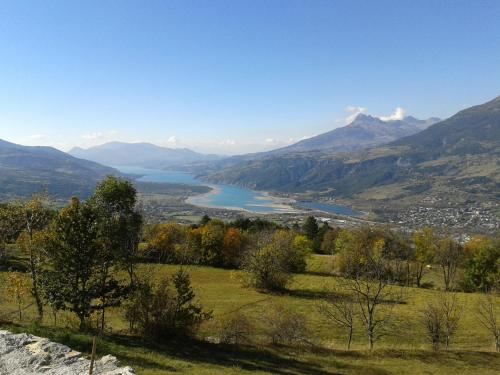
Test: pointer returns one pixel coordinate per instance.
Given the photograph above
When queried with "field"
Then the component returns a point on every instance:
(403, 350)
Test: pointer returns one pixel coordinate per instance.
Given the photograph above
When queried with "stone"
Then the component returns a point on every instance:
(25, 354)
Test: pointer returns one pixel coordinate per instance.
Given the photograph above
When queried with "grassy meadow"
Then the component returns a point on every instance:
(403, 350)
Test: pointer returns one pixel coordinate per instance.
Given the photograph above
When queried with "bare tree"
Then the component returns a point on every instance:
(449, 256)
(432, 317)
(452, 312)
(376, 299)
(441, 319)
(488, 313)
(341, 311)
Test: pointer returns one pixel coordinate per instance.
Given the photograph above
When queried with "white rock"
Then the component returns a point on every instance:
(24, 354)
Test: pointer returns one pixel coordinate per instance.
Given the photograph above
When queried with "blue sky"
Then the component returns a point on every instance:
(235, 76)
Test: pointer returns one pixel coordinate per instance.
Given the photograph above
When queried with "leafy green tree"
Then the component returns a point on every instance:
(310, 228)
(87, 247)
(11, 225)
(302, 248)
(212, 242)
(204, 220)
(114, 202)
(276, 256)
(73, 280)
(328, 242)
(36, 216)
(482, 270)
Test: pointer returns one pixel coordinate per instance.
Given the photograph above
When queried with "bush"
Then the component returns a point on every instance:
(285, 326)
(234, 328)
(165, 308)
(270, 265)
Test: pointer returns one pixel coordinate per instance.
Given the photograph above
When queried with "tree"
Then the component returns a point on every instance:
(328, 243)
(432, 318)
(114, 202)
(11, 225)
(488, 313)
(482, 269)
(266, 267)
(167, 240)
(340, 310)
(88, 245)
(232, 247)
(449, 256)
(310, 228)
(17, 290)
(370, 278)
(212, 241)
(73, 280)
(36, 216)
(302, 248)
(318, 239)
(205, 220)
(425, 243)
(375, 299)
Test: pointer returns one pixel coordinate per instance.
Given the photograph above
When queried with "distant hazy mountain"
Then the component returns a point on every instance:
(25, 170)
(144, 155)
(365, 131)
(457, 158)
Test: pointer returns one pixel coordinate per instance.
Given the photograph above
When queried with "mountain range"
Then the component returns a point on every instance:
(144, 155)
(369, 160)
(363, 132)
(25, 170)
(455, 159)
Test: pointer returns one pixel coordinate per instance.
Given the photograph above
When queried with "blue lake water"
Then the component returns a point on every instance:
(232, 197)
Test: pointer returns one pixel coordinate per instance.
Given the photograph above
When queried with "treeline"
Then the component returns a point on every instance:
(472, 266)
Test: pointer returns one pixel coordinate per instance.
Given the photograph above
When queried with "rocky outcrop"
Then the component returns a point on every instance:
(24, 354)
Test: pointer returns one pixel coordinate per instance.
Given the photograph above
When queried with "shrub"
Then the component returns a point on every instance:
(283, 325)
(234, 328)
(165, 308)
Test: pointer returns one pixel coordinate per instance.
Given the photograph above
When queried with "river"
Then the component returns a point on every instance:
(232, 197)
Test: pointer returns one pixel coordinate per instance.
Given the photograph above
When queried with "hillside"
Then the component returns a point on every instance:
(25, 170)
(144, 155)
(454, 162)
(363, 132)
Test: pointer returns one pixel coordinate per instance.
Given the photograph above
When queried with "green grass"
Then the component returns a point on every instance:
(403, 351)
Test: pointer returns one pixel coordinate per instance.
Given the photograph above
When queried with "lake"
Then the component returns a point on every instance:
(232, 197)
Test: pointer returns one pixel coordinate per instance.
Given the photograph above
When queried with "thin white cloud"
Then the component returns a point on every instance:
(172, 141)
(398, 114)
(92, 136)
(228, 142)
(353, 112)
(37, 137)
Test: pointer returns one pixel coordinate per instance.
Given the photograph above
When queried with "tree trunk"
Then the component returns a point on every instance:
(418, 276)
(102, 319)
(34, 280)
(349, 340)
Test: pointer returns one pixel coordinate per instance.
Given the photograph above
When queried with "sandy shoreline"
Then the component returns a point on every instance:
(280, 205)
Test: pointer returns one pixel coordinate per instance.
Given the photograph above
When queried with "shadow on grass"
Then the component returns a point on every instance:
(247, 358)
(134, 351)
